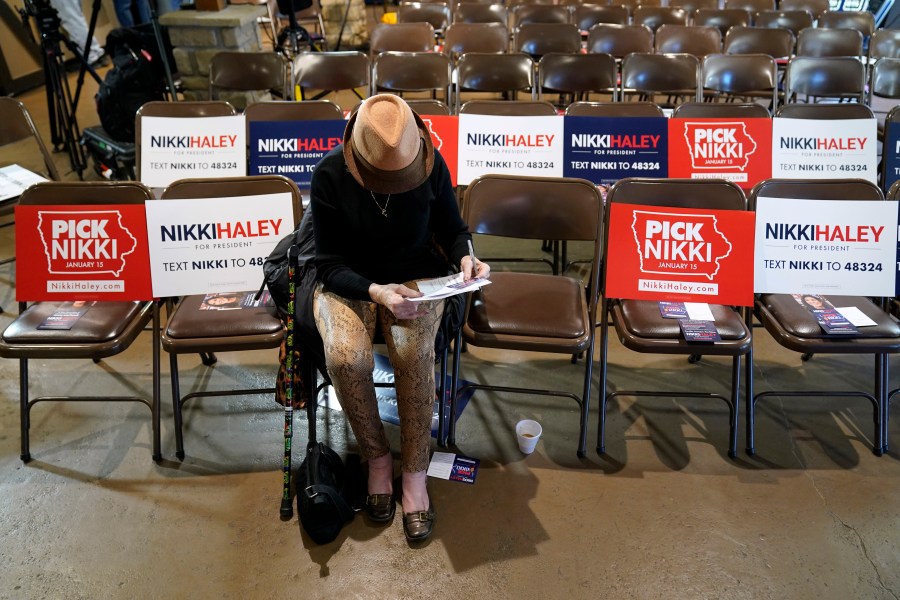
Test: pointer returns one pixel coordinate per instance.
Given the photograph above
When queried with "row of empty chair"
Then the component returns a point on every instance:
(679, 74)
(585, 15)
(620, 38)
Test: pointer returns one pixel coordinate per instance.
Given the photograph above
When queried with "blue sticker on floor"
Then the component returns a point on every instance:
(387, 396)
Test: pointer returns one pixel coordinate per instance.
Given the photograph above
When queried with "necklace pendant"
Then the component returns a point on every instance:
(384, 213)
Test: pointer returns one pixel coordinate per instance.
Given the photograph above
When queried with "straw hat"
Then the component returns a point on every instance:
(387, 147)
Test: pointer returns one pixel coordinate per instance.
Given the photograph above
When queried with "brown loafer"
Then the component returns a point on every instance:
(417, 525)
(380, 507)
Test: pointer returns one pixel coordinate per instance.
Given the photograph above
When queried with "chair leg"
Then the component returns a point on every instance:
(454, 388)
(442, 399)
(604, 352)
(157, 384)
(734, 407)
(586, 399)
(176, 406)
(24, 409)
(748, 394)
(886, 406)
(880, 393)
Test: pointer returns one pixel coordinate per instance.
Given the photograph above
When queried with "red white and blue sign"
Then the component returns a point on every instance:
(292, 148)
(604, 150)
(891, 153)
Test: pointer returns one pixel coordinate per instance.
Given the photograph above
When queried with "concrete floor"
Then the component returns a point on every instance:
(665, 514)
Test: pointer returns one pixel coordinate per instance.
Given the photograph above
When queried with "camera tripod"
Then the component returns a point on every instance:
(61, 103)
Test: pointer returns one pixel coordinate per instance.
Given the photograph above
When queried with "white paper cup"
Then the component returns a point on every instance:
(528, 433)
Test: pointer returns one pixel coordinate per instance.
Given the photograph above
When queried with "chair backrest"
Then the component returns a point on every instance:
(538, 208)
(476, 12)
(25, 146)
(632, 5)
(575, 72)
(540, 13)
(741, 74)
(412, 72)
(437, 14)
(777, 43)
(228, 187)
(753, 6)
(619, 40)
(247, 72)
(723, 18)
(825, 76)
(486, 72)
(585, 16)
(693, 5)
(425, 106)
(401, 37)
(332, 71)
(538, 39)
(698, 40)
(885, 82)
(721, 110)
(656, 16)
(552, 208)
(614, 109)
(814, 41)
(824, 111)
(885, 43)
(308, 110)
(860, 20)
(793, 20)
(673, 74)
(503, 108)
(815, 189)
(176, 110)
(84, 192)
(815, 7)
(476, 37)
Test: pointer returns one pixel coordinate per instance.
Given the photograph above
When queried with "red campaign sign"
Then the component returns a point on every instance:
(445, 136)
(680, 254)
(96, 252)
(739, 150)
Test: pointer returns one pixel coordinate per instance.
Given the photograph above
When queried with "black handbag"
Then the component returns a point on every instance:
(322, 489)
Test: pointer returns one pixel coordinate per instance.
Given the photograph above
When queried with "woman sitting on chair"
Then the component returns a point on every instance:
(385, 216)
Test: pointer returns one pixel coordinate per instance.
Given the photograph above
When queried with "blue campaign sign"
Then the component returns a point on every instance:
(891, 151)
(606, 149)
(291, 148)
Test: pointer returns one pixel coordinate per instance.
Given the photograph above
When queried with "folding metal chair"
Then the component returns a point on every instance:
(106, 329)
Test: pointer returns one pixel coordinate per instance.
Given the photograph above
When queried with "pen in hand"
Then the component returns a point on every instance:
(472, 256)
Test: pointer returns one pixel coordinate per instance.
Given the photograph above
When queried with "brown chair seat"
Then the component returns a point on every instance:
(529, 304)
(103, 322)
(189, 322)
(643, 319)
(798, 321)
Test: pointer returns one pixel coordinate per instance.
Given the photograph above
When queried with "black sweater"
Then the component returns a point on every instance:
(357, 246)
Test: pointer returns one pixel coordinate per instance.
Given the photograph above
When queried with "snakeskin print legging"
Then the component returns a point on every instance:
(347, 328)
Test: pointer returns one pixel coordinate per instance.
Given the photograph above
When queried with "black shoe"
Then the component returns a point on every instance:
(418, 525)
(380, 507)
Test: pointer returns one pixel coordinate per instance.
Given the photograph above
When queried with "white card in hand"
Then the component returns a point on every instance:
(855, 316)
(699, 311)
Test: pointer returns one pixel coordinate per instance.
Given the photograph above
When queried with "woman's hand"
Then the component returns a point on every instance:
(482, 270)
(395, 297)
